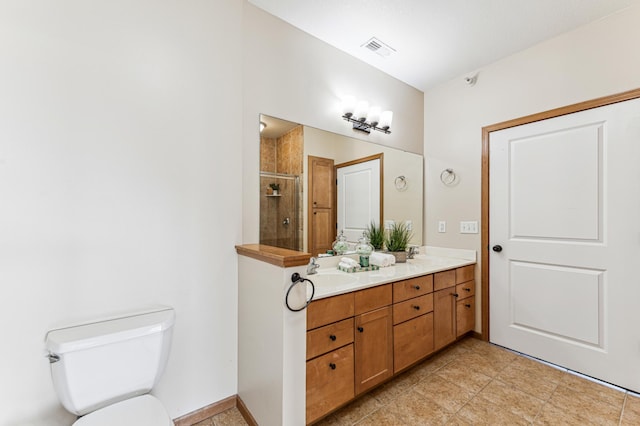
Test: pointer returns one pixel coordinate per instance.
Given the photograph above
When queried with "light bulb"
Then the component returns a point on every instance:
(385, 120)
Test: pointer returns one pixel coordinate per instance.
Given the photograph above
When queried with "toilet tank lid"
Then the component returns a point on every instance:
(99, 333)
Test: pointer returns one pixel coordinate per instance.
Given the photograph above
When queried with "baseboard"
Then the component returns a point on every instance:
(209, 411)
(245, 412)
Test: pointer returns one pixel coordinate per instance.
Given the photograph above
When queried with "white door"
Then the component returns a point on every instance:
(358, 197)
(565, 210)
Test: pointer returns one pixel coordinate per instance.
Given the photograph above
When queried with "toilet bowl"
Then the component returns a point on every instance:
(103, 371)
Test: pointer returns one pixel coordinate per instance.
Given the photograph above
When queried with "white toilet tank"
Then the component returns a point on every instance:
(97, 364)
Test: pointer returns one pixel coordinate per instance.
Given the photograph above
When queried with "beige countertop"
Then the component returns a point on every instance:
(329, 281)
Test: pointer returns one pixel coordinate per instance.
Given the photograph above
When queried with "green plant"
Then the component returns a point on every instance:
(398, 237)
(376, 235)
(275, 186)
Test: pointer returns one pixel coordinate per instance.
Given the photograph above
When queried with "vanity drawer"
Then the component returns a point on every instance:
(330, 337)
(373, 298)
(412, 308)
(465, 290)
(407, 289)
(466, 273)
(332, 309)
(444, 279)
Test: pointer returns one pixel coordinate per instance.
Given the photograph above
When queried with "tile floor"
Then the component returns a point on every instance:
(476, 383)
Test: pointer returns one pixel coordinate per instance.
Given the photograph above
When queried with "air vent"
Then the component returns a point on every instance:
(378, 47)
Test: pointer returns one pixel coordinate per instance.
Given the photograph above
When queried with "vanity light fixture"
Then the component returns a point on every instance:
(365, 118)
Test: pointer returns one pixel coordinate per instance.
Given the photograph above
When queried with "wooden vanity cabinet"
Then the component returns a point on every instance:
(373, 337)
(466, 302)
(358, 340)
(453, 304)
(412, 321)
(330, 355)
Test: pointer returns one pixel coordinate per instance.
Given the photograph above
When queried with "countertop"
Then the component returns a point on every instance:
(329, 281)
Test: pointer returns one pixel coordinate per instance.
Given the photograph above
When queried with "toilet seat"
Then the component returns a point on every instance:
(145, 410)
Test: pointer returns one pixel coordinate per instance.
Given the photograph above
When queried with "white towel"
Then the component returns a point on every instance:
(381, 259)
(349, 265)
(349, 261)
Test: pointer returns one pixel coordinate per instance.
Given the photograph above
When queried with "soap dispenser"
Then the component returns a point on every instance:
(340, 245)
(364, 250)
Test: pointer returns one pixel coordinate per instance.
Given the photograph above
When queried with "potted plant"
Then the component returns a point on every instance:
(397, 241)
(375, 235)
(275, 187)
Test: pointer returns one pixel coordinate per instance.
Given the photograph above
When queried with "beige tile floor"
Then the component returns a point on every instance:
(476, 383)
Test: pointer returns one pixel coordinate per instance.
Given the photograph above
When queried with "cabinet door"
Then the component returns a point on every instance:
(373, 348)
(412, 341)
(329, 382)
(444, 317)
(465, 315)
(321, 205)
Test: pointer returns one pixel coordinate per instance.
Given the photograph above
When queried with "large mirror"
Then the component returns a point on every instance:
(299, 201)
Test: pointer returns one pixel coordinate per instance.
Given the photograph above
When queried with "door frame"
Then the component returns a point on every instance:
(486, 132)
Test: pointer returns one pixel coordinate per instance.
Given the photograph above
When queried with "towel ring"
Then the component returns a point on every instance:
(401, 183)
(297, 279)
(448, 177)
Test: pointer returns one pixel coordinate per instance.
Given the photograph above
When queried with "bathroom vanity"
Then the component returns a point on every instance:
(360, 330)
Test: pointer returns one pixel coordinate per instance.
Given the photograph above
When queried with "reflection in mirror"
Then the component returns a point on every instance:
(281, 145)
(288, 153)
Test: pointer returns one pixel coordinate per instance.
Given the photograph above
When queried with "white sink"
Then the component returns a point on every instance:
(332, 279)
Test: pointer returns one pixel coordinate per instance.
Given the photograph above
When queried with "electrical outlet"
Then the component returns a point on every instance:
(469, 227)
(442, 226)
(409, 225)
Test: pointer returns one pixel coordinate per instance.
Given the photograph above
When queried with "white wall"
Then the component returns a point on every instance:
(595, 60)
(290, 75)
(119, 185)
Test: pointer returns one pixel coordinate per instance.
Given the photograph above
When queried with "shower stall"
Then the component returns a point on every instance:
(281, 213)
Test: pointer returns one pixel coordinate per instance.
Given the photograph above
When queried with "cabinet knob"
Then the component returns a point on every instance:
(455, 294)
(360, 329)
(466, 305)
(467, 289)
(332, 337)
(416, 307)
(417, 287)
(332, 365)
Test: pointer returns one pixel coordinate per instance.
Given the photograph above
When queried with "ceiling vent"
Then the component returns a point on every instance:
(379, 47)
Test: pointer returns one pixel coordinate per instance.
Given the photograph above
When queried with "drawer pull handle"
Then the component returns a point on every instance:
(417, 287)
(467, 289)
(416, 307)
(466, 305)
(332, 365)
(360, 329)
(332, 337)
(455, 294)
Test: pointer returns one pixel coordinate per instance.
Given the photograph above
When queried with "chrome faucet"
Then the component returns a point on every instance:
(413, 250)
(312, 266)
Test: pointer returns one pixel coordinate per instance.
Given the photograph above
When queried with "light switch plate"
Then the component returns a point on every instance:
(388, 224)
(469, 227)
(442, 226)
(409, 225)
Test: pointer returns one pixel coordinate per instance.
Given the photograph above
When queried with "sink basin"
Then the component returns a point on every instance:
(332, 279)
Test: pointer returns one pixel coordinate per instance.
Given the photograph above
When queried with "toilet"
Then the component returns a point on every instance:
(103, 371)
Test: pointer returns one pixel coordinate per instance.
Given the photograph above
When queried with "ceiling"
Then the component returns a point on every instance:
(433, 41)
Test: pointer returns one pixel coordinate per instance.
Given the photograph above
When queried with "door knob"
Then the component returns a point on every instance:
(497, 248)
